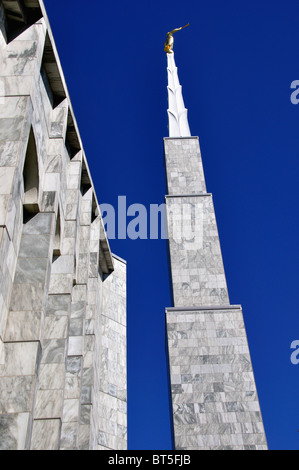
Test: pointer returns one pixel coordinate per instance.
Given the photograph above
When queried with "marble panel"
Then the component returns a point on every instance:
(20, 359)
(48, 404)
(51, 376)
(16, 394)
(13, 431)
(69, 436)
(53, 351)
(212, 392)
(45, 434)
(23, 326)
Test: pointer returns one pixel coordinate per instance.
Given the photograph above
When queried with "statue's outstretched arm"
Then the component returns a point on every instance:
(179, 29)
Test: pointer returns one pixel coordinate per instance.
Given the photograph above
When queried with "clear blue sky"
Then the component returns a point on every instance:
(236, 63)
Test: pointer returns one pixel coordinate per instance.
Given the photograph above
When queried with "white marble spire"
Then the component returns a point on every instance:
(177, 113)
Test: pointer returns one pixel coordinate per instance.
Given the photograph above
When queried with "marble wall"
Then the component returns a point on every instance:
(184, 168)
(214, 398)
(197, 269)
(60, 285)
(112, 356)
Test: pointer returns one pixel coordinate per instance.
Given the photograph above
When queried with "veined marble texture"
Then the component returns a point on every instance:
(62, 292)
(197, 269)
(214, 398)
(184, 168)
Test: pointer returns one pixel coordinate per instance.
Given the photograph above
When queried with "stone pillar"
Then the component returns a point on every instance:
(214, 397)
(112, 426)
(23, 271)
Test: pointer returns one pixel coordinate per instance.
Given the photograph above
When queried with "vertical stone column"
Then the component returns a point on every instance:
(80, 340)
(50, 127)
(197, 269)
(48, 408)
(23, 270)
(112, 426)
(214, 397)
(89, 413)
(74, 347)
(13, 132)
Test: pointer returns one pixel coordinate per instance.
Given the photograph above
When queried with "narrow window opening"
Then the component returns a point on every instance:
(57, 238)
(72, 141)
(31, 179)
(94, 209)
(19, 16)
(47, 85)
(85, 180)
(75, 271)
(51, 75)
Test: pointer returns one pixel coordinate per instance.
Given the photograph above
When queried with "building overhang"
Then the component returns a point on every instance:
(20, 14)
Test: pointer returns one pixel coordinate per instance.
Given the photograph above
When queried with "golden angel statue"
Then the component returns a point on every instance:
(168, 46)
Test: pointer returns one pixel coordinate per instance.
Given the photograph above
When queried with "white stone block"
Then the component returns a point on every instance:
(70, 410)
(75, 346)
(74, 168)
(4, 200)
(14, 106)
(23, 326)
(55, 327)
(6, 179)
(16, 431)
(51, 376)
(45, 434)
(63, 265)
(61, 284)
(20, 359)
(51, 182)
(10, 219)
(73, 182)
(48, 404)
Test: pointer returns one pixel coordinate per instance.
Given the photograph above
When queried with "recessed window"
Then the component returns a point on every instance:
(51, 75)
(72, 141)
(57, 237)
(20, 15)
(31, 177)
(85, 180)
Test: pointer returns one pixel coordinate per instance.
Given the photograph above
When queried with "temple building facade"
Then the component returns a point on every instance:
(62, 292)
(213, 392)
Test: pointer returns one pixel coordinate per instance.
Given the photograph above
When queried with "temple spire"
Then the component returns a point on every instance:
(210, 372)
(177, 113)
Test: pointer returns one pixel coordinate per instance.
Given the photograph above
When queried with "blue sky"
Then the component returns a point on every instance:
(236, 63)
